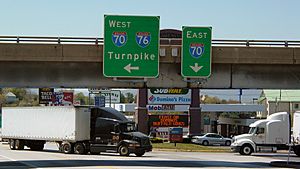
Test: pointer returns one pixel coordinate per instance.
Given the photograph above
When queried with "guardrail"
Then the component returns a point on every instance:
(51, 40)
(163, 41)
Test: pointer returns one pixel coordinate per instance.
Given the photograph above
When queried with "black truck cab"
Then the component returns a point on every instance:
(112, 131)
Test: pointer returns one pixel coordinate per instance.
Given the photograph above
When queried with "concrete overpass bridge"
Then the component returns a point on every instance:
(77, 62)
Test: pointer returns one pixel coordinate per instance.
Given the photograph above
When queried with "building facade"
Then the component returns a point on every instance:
(215, 118)
(278, 101)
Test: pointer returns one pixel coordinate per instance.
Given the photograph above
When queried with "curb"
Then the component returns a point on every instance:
(291, 164)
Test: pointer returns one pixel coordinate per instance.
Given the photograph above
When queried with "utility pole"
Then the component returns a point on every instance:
(240, 95)
(280, 94)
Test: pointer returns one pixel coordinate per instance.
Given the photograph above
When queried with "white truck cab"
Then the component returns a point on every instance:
(270, 134)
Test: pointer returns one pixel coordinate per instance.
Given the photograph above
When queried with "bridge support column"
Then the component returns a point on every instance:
(141, 113)
(195, 113)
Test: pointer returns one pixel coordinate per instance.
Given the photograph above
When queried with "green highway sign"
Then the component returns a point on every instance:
(131, 46)
(196, 52)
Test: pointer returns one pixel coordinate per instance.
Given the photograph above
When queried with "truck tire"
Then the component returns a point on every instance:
(19, 144)
(246, 149)
(67, 148)
(123, 150)
(139, 153)
(12, 144)
(79, 148)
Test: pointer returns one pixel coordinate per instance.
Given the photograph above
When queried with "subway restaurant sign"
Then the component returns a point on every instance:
(131, 45)
(169, 96)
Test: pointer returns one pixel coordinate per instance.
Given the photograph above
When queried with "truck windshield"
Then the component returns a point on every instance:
(252, 130)
(127, 127)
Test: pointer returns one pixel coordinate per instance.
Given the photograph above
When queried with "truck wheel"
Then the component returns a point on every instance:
(19, 145)
(246, 150)
(12, 144)
(205, 143)
(139, 153)
(123, 150)
(67, 148)
(79, 148)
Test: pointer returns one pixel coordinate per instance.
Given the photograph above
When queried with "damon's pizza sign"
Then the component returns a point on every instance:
(169, 96)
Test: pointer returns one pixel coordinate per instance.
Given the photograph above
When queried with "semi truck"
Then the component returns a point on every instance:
(78, 130)
(270, 135)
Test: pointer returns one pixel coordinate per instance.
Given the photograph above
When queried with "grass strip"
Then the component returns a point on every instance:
(187, 147)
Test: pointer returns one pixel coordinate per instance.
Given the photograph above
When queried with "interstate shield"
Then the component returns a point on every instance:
(196, 50)
(119, 38)
(143, 39)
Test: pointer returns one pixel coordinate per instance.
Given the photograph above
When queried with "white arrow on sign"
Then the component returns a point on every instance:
(196, 68)
(129, 68)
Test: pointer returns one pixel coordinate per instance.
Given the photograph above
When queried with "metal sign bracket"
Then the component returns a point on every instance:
(130, 80)
(199, 81)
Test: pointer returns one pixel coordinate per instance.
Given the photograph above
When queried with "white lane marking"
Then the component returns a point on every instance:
(11, 159)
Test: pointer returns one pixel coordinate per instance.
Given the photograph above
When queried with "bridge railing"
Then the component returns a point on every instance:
(163, 41)
(50, 40)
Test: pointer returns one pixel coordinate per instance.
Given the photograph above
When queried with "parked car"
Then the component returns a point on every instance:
(188, 138)
(211, 139)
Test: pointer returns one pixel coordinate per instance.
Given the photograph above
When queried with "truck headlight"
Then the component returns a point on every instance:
(234, 144)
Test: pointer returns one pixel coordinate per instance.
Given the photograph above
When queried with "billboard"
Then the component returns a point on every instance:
(45, 95)
(168, 120)
(63, 98)
(175, 134)
(169, 96)
(111, 96)
(100, 101)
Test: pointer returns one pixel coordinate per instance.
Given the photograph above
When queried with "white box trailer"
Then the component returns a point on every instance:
(46, 123)
(79, 130)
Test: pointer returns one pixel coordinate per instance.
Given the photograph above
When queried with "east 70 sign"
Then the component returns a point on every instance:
(131, 45)
(196, 52)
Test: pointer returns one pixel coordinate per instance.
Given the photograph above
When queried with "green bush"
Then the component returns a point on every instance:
(156, 140)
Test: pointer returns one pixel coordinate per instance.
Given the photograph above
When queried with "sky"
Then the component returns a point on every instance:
(230, 19)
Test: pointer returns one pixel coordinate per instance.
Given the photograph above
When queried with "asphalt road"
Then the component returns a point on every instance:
(51, 158)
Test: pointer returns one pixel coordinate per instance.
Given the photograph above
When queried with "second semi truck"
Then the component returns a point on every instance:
(271, 134)
(79, 130)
